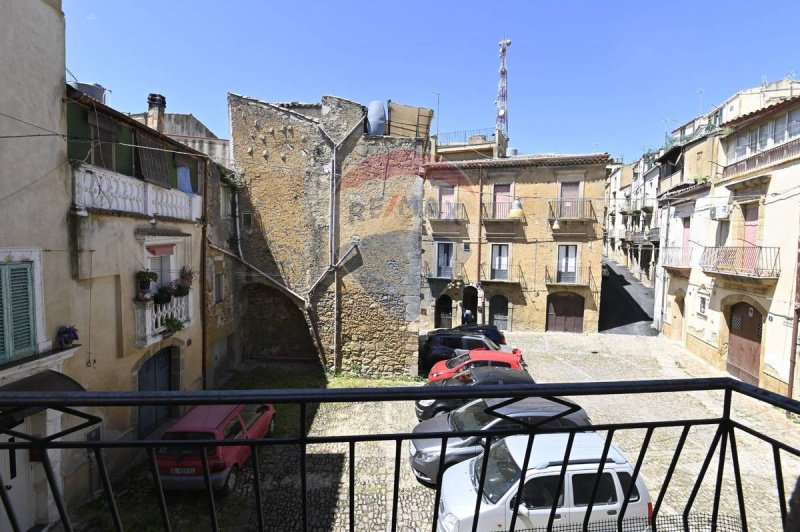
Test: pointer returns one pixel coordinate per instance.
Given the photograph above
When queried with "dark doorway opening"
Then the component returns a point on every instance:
(498, 312)
(469, 300)
(565, 312)
(444, 313)
(155, 376)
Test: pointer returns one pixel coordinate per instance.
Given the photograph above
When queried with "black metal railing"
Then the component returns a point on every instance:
(455, 212)
(725, 508)
(744, 261)
(676, 257)
(580, 274)
(512, 274)
(468, 136)
(496, 211)
(654, 234)
(639, 237)
(572, 209)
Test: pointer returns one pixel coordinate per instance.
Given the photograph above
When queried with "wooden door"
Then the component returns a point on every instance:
(569, 205)
(744, 345)
(565, 312)
(502, 201)
(155, 376)
(750, 251)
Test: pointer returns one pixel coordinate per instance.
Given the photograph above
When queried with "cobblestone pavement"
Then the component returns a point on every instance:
(552, 357)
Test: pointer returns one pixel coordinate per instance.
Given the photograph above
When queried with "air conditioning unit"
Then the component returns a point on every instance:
(721, 212)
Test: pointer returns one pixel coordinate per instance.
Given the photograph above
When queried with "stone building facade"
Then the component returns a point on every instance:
(515, 240)
(333, 234)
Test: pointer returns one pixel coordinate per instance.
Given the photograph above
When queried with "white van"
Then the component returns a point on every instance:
(460, 485)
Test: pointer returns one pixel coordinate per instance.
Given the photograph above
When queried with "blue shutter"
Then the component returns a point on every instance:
(20, 305)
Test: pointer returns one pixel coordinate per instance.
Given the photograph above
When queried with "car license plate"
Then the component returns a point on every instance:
(181, 470)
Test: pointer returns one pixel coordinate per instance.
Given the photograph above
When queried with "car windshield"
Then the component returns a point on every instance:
(457, 361)
(502, 472)
(493, 346)
(186, 451)
(471, 416)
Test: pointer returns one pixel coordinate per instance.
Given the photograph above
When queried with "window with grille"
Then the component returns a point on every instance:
(17, 329)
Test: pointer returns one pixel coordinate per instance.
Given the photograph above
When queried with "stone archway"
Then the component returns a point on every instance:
(273, 327)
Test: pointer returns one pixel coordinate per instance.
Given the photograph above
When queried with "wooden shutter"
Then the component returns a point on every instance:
(18, 292)
(3, 335)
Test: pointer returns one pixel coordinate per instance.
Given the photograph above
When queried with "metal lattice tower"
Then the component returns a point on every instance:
(502, 90)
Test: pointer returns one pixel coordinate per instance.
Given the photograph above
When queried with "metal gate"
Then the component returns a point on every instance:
(744, 347)
(565, 312)
(154, 376)
(498, 312)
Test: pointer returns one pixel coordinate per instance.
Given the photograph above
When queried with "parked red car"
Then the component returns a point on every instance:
(182, 467)
(475, 358)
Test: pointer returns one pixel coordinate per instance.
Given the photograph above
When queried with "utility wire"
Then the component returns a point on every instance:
(30, 124)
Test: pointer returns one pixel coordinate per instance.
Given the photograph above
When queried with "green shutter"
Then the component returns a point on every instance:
(20, 305)
(3, 348)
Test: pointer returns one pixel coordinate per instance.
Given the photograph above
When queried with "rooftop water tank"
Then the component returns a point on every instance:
(93, 90)
(511, 152)
(376, 118)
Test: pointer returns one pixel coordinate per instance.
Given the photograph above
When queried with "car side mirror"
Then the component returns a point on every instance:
(523, 510)
(261, 409)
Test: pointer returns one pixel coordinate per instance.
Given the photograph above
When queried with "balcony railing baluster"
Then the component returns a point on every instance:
(744, 261)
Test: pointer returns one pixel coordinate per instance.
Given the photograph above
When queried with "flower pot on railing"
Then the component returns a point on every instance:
(182, 289)
(186, 276)
(163, 295)
(67, 335)
(144, 278)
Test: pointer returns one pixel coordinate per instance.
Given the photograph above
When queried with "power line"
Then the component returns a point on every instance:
(30, 124)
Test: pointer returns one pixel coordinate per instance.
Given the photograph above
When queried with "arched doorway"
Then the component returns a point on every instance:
(469, 300)
(155, 375)
(443, 318)
(498, 312)
(677, 317)
(565, 312)
(273, 326)
(744, 346)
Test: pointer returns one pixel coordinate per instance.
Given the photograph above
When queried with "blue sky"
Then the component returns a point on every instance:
(583, 75)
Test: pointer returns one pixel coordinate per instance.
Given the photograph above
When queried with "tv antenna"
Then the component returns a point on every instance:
(502, 90)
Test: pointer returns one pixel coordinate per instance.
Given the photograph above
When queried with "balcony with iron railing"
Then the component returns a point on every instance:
(449, 272)
(498, 211)
(720, 471)
(654, 234)
(579, 210)
(763, 159)
(579, 275)
(445, 212)
(629, 233)
(677, 260)
(640, 238)
(98, 188)
(645, 204)
(745, 262)
(626, 206)
(513, 274)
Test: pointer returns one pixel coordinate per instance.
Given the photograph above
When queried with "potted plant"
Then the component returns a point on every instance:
(164, 295)
(186, 275)
(173, 324)
(145, 277)
(66, 335)
(182, 288)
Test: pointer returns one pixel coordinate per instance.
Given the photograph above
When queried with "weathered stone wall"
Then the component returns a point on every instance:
(286, 159)
(273, 326)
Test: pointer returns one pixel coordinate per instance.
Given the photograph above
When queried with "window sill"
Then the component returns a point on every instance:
(23, 367)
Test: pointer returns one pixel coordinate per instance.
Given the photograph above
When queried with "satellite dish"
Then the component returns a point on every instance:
(501, 112)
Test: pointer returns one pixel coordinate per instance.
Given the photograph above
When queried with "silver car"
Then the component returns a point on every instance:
(540, 490)
(424, 452)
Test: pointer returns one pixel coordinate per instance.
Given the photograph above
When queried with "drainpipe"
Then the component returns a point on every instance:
(332, 209)
(203, 244)
(793, 350)
(480, 234)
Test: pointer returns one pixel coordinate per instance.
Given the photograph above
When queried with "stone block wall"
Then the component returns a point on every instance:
(286, 157)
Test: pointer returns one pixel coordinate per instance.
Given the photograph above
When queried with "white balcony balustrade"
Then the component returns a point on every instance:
(98, 188)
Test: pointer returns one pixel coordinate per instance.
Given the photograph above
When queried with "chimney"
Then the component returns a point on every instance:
(156, 104)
